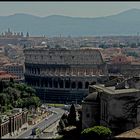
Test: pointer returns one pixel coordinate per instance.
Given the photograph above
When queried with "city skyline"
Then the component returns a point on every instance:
(73, 9)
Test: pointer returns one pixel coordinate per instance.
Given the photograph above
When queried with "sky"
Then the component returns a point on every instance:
(73, 9)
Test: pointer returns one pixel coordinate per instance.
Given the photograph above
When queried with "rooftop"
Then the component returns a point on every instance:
(134, 133)
(112, 90)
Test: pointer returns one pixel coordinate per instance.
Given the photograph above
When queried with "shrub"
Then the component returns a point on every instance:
(96, 132)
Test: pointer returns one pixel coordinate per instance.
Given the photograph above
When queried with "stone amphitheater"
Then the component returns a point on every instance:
(63, 75)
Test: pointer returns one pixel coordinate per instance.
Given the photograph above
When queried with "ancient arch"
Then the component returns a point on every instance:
(67, 84)
(61, 83)
(80, 85)
(50, 82)
(55, 83)
(42, 83)
(73, 85)
(46, 83)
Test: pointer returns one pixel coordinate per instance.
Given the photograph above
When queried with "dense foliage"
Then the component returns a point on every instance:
(96, 133)
(16, 95)
(67, 120)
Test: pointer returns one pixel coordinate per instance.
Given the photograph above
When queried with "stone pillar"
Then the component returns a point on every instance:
(64, 83)
(52, 83)
(58, 83)
(77, 71)
(84, 72)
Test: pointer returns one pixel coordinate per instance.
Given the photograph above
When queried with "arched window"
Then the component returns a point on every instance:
(38, 70)
(61, 84)
(42, 83)
(73, 85)
(67, 84)
(50, 83)
(86, 85)
(80, 85)
(55, 84)
(34, 70)
(37, 83)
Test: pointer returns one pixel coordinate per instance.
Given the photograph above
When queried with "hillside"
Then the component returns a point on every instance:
(123, 23)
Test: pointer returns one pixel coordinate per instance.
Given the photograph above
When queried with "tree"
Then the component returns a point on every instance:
(17, 95)
(30, 90)
(61, 126)
(96, 133)
(65, 119)
(19, 103)
(35, 101)
(13, 93)
(3, 99)
(57, 46)
(79, 122)
(72, 115)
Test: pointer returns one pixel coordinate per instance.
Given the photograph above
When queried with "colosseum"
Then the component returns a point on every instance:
(63, 75)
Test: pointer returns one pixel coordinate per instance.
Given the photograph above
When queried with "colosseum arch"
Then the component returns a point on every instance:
(37, 83)
(38, 70)
(73, 85)
(46, 83)
(67, 84)
(34, 70)
(86, 85)
(55, 83)
(42, 83)
(50, 82)
(61, 83)
(80, 85)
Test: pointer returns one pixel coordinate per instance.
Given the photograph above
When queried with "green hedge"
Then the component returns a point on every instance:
(96, 132)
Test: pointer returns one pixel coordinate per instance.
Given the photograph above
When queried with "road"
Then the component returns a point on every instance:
(44, 123)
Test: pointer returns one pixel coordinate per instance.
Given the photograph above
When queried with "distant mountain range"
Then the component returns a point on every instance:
(125, 23)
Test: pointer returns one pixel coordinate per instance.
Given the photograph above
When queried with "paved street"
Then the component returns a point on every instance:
(44, 123)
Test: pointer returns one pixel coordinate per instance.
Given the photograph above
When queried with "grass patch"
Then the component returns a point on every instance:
(56, 105)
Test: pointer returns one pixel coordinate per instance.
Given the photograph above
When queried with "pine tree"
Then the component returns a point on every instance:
(72, 115)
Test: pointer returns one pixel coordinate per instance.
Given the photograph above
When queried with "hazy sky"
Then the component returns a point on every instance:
(75, 9)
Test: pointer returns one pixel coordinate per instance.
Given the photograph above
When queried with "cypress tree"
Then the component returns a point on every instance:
(72, 115)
